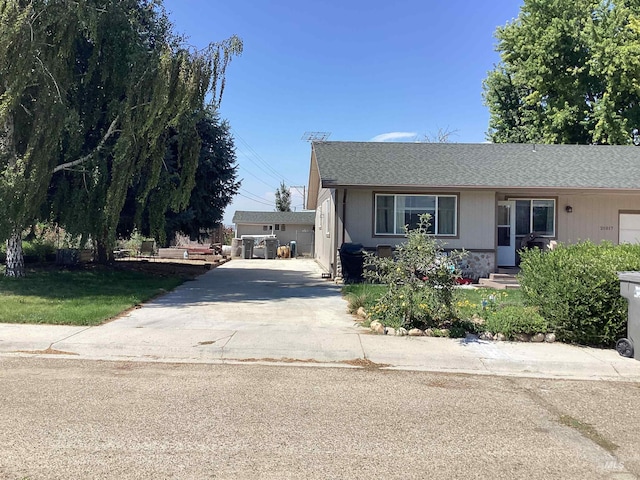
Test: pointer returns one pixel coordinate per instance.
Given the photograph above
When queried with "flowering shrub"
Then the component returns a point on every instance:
(420, 281)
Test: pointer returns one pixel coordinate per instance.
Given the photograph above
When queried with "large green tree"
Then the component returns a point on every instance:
(119, 81)
(215, 185)
(569, 73)
(34, 82)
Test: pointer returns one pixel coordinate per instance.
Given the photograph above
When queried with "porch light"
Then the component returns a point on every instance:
(568, 209)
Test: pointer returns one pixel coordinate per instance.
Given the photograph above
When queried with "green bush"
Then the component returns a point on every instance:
(513, 319)
(420, 281)
(38, 249)
(577, 290)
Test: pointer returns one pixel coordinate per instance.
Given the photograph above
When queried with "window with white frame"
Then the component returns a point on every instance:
(536, 215)
(394, 212)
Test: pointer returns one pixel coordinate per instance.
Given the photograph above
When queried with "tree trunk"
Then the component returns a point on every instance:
(104, 254)
(15, 257)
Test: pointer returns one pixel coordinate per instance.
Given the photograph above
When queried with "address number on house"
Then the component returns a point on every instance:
(606, 227)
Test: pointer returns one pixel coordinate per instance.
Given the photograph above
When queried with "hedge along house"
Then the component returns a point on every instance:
(286, 226)
(484, 198)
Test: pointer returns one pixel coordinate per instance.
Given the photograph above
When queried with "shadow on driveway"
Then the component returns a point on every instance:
(249, 281)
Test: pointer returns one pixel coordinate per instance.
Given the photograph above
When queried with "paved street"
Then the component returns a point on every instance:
(68, 419)
(255, 371)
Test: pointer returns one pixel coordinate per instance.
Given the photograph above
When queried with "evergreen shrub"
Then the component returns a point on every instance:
(577, 290)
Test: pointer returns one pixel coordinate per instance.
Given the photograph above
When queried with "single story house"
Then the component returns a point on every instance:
(485, 198)
(286, 226)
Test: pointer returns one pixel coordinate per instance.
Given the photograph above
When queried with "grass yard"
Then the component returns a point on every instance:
(77, 297)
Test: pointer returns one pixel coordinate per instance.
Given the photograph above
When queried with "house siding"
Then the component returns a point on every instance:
(594, 217)
(476, 215)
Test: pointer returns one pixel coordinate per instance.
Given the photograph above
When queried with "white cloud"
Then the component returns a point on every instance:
(393, 136)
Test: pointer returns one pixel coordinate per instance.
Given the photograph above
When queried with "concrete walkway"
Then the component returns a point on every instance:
(281, 311)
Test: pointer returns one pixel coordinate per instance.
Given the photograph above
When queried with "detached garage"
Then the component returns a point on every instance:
(286, 226)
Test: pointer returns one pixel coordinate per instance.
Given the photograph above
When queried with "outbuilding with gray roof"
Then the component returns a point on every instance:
(286, 226)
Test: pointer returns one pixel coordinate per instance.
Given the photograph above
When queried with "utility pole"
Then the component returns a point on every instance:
(304, 194)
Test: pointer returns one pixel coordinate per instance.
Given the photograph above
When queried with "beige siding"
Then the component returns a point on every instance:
(594, 217)
(476, 228)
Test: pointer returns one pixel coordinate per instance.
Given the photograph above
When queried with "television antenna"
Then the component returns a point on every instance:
(315, 136)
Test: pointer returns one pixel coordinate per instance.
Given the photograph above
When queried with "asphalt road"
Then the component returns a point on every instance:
(82, 419)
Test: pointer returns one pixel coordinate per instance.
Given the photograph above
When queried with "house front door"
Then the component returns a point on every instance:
(506, 252)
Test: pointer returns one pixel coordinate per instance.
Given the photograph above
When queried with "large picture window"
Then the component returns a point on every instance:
(536, 215)
(394, 212)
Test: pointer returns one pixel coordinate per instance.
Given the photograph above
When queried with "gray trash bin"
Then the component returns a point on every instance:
(247, 248)
(236, 248)
(270, 248)
(630, 289)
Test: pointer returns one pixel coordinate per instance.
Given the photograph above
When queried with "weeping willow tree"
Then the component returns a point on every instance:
(34, 82)
(109, 80)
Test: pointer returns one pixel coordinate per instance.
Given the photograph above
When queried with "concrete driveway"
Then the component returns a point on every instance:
(283, 311)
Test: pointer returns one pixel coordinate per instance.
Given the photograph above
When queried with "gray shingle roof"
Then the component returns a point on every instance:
(291, 218)
(478, 165)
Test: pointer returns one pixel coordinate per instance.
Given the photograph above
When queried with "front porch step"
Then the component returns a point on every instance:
(499, 281)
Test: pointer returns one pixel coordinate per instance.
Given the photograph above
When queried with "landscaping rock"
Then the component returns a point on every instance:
(499, 337)
(550, 337)
(538, 337)
(444, 332)
(389, 331)
(486, 336)
(401, 332)
(416, 332)
(376, 327)
(361, 312)
(428, 332)
(522, 337)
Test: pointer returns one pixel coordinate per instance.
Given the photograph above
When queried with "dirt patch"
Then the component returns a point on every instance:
(365, 363)
(356, 362)
(48, 351)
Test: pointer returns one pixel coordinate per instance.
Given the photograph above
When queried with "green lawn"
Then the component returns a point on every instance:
(77, 297)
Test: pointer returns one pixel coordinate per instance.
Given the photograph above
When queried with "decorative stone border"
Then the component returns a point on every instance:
(377, 328)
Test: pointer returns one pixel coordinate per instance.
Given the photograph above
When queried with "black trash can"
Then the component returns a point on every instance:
(352, 260)
(535, 240)
(630, 289)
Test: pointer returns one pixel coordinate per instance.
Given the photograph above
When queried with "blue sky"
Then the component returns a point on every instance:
(361, 70)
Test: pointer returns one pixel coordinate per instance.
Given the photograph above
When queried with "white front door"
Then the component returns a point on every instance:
(506, 234)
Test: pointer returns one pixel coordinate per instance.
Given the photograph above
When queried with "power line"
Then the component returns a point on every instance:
(254, 200)
(269, 169)
(258, 178)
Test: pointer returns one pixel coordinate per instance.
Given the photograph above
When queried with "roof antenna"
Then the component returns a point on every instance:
(315, 136)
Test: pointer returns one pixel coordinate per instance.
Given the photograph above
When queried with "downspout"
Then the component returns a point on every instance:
(344, 214)
(344, 228)
(334, 239)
